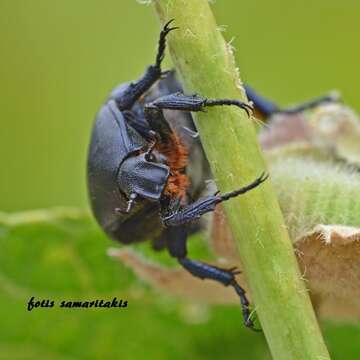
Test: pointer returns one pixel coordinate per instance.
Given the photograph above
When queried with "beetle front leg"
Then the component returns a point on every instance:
(176, 244)
(186, 214)
(152, 74)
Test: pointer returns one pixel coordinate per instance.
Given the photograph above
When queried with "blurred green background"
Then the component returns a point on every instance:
(58, 62)
(59, 59)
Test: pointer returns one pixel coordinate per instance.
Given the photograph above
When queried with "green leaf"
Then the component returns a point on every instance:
(61, 255)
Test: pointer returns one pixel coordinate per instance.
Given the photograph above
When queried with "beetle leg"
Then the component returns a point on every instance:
(179, 101)
(176, 244)
(143, 128)
(307, 105)
(267, 108)
(152, 74)
(162, 45)
(138, 123)
(154, 138)
(206, 204)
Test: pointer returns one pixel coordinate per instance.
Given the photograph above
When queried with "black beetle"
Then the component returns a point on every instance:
(145, 165)
(138, 168)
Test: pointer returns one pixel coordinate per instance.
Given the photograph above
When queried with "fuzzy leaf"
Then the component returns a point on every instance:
(329, 257)
(330, 131)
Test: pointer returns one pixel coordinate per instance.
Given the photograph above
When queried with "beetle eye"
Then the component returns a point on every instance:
(150, 157)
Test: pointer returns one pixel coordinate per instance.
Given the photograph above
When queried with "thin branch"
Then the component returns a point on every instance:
(206, 65)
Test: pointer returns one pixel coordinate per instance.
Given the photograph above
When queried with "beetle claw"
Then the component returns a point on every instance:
(166, 29)
(162, 43)
(234, 270)
(248, 108)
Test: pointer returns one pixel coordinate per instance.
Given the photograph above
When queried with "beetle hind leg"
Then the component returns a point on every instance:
(310, 104)
(176, 243)
(223, 276)
(267, 108)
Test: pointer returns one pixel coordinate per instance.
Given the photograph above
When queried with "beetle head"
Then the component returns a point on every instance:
(145, 178)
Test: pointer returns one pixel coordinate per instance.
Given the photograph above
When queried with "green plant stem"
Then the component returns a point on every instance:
(206, 65)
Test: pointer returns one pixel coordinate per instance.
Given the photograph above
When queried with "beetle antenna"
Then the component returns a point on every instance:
(129, 206)
(131, 202)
